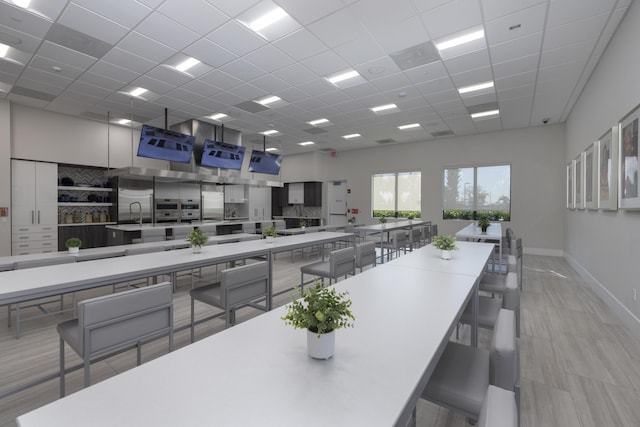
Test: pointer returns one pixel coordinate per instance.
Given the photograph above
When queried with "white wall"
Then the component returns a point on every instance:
(537, 182)
(5, 177)
(605, 246)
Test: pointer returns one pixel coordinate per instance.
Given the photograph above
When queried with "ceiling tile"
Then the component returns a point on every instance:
(141, 45)
(128, 14)
(116, 73)
(19, 19)
(452, 17)
(574, 32)
(129, 61)
(516, 25)
(244, 40)
(338, 28)
(233, 7)
(269, 58)
(325, 63)
(300, 45)
(197, 15)
(19, 40)
(496, 8)
(513, 49)
(308, 12)
(295, 74)
(87, 22)
(221, 79)
(517, 66)
(166, 31)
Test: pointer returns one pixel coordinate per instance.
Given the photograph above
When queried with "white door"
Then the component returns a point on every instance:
(337, 196)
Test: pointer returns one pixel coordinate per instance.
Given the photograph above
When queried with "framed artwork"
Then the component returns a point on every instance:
(570, 189)
(588, 156)
(578, 181)
(606, 155)
(628, 197)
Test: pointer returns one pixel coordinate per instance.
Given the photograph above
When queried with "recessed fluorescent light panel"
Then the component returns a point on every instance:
(137, 91)
(186, 64)
(271, 149)
(218, 116)
(475, 88)
(386, 107)
(3, 50)
(319, 122)
(269, 132)
(268, 100)
(268, 20)
(22, 3)
(304, 144)
(345, 79)
(352, 135)
(124, 121)
(409, 127)
(485, 114)
(457, 41)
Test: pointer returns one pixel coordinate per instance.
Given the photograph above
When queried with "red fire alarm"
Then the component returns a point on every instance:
(354, 210)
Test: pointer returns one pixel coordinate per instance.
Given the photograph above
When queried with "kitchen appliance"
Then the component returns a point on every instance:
(135, 196)
(337, 196)
(167, 210)
(189, 210)
(212, 202)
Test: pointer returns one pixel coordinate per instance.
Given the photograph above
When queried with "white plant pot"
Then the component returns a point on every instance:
(321, 346)
(196, 249)
(270, 239)
(445, 254)
(74, 250)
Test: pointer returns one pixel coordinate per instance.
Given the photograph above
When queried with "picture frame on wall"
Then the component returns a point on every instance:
(628, 195)
(578, 181)
(606, 154)
(570, 188)
(590, 201)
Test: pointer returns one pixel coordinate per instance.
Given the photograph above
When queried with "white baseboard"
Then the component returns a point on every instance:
(543, 252)
(626, 317)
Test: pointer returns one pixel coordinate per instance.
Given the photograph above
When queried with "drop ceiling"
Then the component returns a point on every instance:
(82, 57)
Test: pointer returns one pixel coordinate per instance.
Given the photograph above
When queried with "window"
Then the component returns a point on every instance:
(474, 191)
(396, 194)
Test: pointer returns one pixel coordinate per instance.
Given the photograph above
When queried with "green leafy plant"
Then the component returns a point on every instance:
(302, 223)
(197, 237)
(484, 223)
(270, 231)
(321, 310)
(382, 219)
(73, 242)
(352, 220)
(444, 243)
(411, 216)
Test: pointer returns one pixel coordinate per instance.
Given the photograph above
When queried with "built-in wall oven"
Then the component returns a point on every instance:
(189, 210)
(167, 210)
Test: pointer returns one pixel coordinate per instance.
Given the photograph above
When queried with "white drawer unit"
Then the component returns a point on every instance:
(35, 211)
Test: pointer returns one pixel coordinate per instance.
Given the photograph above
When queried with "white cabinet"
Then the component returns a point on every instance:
(34, 200)
(296, 193)
(259, 203)
(234, 194)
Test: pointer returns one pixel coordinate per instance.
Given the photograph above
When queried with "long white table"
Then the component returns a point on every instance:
(493, 234)
(388, 228)
(258, 372)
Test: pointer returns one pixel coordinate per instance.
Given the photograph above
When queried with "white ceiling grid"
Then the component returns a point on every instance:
(539, 53)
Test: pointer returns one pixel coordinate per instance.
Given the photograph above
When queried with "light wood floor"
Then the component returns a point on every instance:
(579, 365)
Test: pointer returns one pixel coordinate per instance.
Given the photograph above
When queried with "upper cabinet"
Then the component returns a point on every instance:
(313, 194)
(296, 193)
(234, 194)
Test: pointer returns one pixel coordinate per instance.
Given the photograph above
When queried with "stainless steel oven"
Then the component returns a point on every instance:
(167, 210)
(189, 210)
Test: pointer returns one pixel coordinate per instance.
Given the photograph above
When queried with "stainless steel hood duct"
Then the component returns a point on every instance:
(132, 172)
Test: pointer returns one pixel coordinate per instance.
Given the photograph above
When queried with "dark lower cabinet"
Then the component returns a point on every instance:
(92, 236)
(313, 194)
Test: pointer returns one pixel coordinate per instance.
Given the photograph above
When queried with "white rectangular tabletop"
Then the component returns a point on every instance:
(258, 372)
(470, 258)
(390, 226)
(472, 231)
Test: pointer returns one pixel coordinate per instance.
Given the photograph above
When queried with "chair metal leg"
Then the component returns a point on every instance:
(62, 389)
(87, 372)
(18, 321)
(192, 321)
(138, 353)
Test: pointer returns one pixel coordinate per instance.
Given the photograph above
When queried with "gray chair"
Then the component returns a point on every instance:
(239, 287)
(152, 235)
(498, 408)
(140, 250)
(426, 233)
(40, 304)
(488, 308)
(415, 238)
(112, 323)
(460, 380)
(433, 230)
(495, 282)
(365, 255)
(341, 262)
(397, 242)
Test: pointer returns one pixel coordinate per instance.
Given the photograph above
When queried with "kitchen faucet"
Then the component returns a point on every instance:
(140, 211)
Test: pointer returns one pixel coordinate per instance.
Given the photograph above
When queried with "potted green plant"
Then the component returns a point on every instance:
(73, 245)
(270, 232)
(411, 216)
(302, 223)
(352, 220)
(321, 310)
(383, 220)
(446, 244)
(484, 223)
(197, 238)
